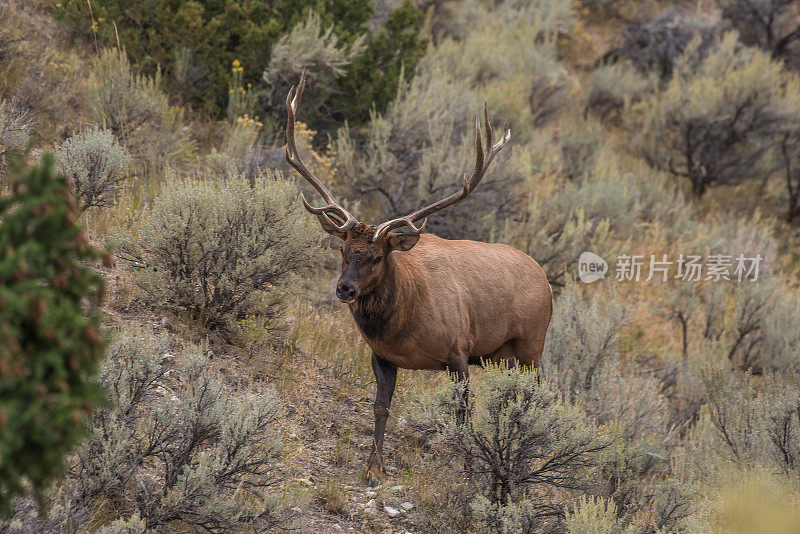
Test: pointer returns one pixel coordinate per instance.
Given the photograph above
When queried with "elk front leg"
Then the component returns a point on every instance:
(385, 376)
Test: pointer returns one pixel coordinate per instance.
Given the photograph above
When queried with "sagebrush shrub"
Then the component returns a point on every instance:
(564, 220)
(521, 438)
(135, 109)
(752, 325)
(95, 163)
(789, 151)
(592, 516)
(655, 46)
(717, 117)
(580, 139)
(582, 360)
(523, 517)
(416, 153)
(351, 77)
(752, 425)
(545, 19)
(770, 24)
(15, 125)
(612, 86)
(50, 342)
(173, 445)
(309, 45)
(217, 250)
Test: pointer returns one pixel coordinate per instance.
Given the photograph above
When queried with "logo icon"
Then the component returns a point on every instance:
(591, 267)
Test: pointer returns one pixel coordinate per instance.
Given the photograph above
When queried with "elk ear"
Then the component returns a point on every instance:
(402, 241)
(329, 227)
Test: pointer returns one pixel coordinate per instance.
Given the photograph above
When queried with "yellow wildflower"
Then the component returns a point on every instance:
(235, 63)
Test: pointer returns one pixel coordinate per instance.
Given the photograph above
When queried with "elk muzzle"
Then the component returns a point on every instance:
(346, 291)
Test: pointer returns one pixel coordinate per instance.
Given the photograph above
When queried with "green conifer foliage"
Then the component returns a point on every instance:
(50, 342)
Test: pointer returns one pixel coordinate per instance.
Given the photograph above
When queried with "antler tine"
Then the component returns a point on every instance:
(333, 208)
(477, 172)
(482, 162)
(489, 131)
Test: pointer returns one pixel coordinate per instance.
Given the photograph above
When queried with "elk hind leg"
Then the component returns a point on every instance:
(528, 351)
(459, 372)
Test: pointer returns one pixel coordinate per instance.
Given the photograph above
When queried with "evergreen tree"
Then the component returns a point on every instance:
(50, 342)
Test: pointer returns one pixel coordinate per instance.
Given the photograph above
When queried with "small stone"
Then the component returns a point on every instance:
(406, 506)
(396, 488)
(393, 512)
(370, 494)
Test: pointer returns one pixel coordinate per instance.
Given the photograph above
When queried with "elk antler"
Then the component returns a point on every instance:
(482, 162)
(293, 157)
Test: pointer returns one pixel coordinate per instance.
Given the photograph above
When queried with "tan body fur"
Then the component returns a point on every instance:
(460, 301)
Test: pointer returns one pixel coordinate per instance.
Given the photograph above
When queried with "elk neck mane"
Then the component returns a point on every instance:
(386, 312)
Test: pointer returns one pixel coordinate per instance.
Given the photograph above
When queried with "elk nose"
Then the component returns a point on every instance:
(345, 291)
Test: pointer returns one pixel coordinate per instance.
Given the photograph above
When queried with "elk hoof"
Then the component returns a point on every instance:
(374, 474)
(373, 480)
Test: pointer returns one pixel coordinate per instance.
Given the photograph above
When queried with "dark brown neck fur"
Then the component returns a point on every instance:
(385, 313)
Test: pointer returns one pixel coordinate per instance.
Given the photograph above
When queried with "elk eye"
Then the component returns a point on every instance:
(377, 259)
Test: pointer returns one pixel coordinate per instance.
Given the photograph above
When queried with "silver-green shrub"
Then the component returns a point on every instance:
(654, 46)
(769, 24)
(753, 325)
(593, 213)
(96, 165)
(522, 517)
(613, 86)
(582, 359)
(136, 109)
(217, 250)
(309, 45)
(580, 139)
(173, 445)
(131, 525)
(593, 516)
(15, 125)
(748, 424)
(716, 119)
(521, 443)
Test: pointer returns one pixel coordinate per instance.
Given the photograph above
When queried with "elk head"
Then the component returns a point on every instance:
(366, 247)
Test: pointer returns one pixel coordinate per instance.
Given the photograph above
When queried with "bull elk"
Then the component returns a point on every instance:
(423, 302)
